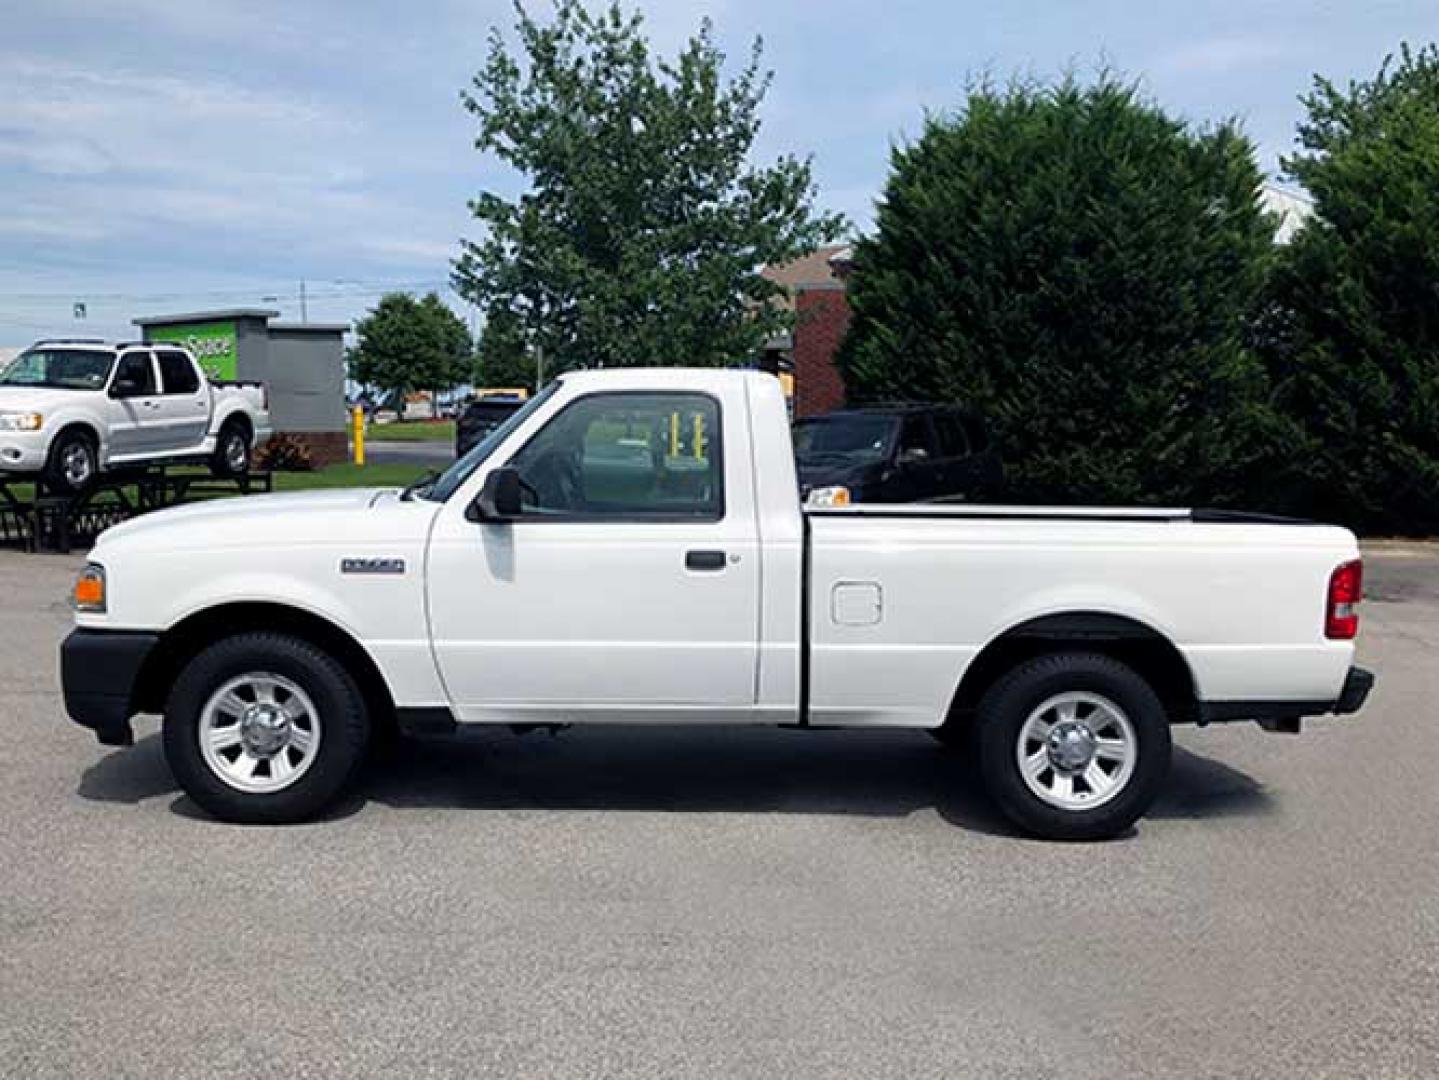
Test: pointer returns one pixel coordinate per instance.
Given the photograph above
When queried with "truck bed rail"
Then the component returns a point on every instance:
(981, 512)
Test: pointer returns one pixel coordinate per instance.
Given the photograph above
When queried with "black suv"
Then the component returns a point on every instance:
(899, 453)
(480, 417)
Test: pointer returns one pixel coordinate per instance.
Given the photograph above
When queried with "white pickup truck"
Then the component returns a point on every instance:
(70, 409)
(630, 548)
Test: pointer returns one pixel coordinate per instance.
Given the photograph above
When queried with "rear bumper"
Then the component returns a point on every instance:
(1357, 685)
(1285, 715)
(98, 673)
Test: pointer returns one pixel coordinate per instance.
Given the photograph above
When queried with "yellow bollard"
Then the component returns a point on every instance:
(699, 437)
(357, 420)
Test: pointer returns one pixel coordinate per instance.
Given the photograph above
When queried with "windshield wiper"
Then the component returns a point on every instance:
(423, 483)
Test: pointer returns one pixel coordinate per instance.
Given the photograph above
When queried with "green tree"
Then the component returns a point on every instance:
(1356, 355)
(644, 228)
(406, 344)
(1081, 268)
(504, 358)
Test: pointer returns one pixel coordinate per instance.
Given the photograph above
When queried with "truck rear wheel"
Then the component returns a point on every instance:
(265, 728)
(232, 451)
(1073, 746)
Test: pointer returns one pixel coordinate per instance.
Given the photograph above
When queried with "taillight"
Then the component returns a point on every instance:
(1346, 589)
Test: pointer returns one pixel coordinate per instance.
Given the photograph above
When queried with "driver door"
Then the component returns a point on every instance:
(627, 589)
(134, 405)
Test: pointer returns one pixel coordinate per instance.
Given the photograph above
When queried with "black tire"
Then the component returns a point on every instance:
(61, 470)
(232, 451)
(1008, 705)
(344, 727)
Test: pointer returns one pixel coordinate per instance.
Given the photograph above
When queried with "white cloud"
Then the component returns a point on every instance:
(90, 153)
(148, 120)
(53, 156)
(1220, 55)
(415, 250)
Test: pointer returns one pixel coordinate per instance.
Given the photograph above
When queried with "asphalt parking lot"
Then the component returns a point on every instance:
(726, 903)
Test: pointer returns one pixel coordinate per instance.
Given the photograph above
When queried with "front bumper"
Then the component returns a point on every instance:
(23, 451)
(98, 673)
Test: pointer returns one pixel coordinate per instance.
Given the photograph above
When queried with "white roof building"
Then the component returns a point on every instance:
(1291, 206)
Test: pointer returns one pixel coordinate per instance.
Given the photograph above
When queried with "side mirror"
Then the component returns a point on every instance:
(913, 455)
(123, 388)
(500, 497)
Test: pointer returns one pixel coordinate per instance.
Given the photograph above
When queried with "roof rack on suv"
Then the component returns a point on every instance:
(71, 341)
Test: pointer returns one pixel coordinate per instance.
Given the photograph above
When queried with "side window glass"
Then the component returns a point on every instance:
(952, 440)
(136, 368)
(627, 456)
(177, 373)
(916, 441)
(978, 438)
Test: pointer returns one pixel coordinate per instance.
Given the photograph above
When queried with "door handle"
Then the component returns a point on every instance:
(704, 560)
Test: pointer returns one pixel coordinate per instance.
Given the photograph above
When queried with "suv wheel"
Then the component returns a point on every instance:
(232, 452)
(266, 728)
(74, 462)
(1073, 746)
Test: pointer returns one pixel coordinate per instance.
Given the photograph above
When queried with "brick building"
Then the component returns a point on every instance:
(815, 292)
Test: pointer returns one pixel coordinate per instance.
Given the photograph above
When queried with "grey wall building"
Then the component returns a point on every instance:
(302, 364)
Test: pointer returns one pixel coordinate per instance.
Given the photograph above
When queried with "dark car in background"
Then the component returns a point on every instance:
(899, 453)
(482, 416)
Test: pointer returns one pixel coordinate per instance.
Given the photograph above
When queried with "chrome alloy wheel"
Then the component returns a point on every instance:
(259, 733)
(76, 464)
(237, 454)
(1077, 751)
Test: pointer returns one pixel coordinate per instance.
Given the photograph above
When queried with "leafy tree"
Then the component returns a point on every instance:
(504, 358)
(406, 344)
(1081, 268)
(1356, 355)
(644, 228)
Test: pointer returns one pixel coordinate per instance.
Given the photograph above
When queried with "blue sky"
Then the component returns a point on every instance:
(165, 155)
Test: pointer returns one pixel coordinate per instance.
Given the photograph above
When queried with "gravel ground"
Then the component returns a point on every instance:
(670, 903)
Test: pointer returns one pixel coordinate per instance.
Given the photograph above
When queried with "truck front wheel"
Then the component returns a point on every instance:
(1073, 746)
(265, 728)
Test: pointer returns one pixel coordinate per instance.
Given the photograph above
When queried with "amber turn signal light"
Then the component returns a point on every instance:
(89, 591)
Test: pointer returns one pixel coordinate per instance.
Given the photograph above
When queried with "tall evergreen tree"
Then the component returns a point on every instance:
(1081, 268)
(1356, 353)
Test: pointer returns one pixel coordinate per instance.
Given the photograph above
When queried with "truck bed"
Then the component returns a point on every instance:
(904, 598)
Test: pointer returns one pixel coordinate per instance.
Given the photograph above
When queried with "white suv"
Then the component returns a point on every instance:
(70, 409)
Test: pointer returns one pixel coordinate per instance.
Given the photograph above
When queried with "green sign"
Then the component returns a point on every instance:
(212, 344)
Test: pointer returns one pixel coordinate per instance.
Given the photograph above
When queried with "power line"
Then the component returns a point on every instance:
(360, 289)
(25, 324)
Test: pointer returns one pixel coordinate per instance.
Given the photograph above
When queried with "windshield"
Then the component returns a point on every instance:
(59, 369)
(853, 438)
(462, 469)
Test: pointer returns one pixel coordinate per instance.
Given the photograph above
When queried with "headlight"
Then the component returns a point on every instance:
(89, 591)
(20, 421)
(828, 497)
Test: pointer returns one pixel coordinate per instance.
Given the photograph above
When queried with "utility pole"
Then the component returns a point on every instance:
(304, 308)
(539, 368)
